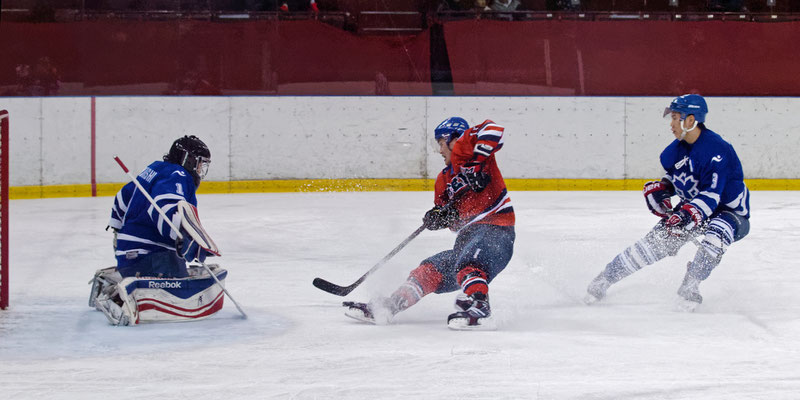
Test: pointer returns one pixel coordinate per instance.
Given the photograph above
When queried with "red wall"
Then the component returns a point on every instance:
(486, 57)
(627, 57)
(124, 57)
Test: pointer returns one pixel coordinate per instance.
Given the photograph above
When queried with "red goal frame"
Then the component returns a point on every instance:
(4, 155)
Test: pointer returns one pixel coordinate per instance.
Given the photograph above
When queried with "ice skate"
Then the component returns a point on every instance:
(378, 312)
(597, 289)
(476, 314)
(689, 293)
(359, 311)
(463, 302)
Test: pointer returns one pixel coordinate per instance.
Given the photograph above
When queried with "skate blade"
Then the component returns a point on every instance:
(589, 300)
(687, 306)
(357, 315)
(462, 324)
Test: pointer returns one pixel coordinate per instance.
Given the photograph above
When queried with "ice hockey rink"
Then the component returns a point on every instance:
(742, 343)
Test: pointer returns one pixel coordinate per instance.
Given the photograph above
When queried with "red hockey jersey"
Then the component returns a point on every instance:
(492, 205)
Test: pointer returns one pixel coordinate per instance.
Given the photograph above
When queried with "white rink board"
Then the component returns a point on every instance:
(547, 137)
(264, 138)
(327, 137)
(142, 129)
(66, 137)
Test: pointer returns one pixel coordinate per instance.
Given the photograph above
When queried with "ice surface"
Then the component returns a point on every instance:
(742, 343)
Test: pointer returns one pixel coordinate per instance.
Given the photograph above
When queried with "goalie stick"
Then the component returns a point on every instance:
(178, 232)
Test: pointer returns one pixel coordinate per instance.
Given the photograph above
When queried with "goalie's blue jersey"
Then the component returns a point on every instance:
(707, 174)
(141, 228)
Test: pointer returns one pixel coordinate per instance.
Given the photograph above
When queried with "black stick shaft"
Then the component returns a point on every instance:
(345, 290)
(332, 288)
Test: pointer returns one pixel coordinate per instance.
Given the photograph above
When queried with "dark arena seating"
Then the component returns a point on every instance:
(400, 47)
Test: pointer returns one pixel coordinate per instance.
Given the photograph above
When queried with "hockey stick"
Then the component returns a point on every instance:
(692, 238)
(698, 244)
(345, 290)
(177, 231)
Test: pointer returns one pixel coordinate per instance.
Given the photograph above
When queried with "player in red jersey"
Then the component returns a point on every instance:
(471, 199)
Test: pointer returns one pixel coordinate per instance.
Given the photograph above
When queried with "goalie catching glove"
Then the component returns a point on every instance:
(440, 217)
(657, 196)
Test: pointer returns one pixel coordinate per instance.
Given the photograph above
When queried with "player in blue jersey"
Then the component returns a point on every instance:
(145, 244)
(703, 170)
(151, 281)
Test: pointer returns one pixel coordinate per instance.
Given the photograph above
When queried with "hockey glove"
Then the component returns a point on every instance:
(684, 220)
(657, 196)
(457, 186)
(440, 217)
(189, 250)
(475, 176)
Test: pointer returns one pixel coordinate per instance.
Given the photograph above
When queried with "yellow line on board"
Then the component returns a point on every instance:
(370, 185)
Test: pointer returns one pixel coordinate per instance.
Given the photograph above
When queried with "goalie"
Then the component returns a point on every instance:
(151, 281)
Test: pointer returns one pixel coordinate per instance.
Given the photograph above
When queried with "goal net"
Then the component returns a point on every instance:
(4, 153)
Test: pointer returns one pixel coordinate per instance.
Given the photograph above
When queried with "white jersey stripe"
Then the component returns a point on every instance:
(505, 203)
(711, 195)
(139, 251)
(131, 238)
(740, 201)
(702, 206)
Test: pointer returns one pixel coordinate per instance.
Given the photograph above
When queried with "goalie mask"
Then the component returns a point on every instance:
(192, 154)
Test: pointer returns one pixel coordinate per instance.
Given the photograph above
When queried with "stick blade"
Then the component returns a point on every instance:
(331, 288)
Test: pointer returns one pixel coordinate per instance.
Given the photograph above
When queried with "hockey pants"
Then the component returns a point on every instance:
(723, 228)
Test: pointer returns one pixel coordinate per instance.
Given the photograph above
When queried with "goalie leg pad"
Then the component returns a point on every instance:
(104, 282)
(119, 309)
(173, 300)
(143, 300)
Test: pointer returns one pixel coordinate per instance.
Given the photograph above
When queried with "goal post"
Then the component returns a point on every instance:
(4, 155)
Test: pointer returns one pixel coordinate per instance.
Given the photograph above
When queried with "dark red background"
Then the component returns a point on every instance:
(486, 57)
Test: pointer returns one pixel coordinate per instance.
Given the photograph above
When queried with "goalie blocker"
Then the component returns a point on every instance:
(131, 301)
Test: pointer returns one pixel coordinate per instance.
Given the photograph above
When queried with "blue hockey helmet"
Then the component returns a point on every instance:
(450, 129)
(689, 104)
